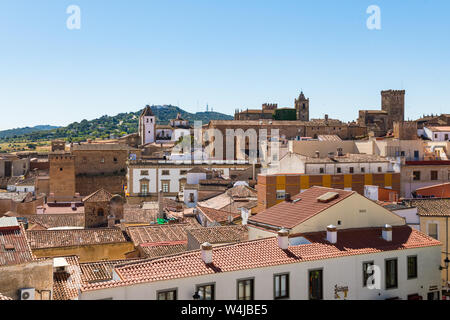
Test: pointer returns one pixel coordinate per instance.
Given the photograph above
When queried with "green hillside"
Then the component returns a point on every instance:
(113, 126)
(21, 131)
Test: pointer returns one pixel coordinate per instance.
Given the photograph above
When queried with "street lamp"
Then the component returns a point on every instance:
(447, 262)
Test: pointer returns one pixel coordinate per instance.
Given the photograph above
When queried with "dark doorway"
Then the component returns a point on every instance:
(8, 169)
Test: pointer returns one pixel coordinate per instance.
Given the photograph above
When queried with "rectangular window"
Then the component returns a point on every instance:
(315, 285)
(391, 274)
(281, 286)
(352, 170)
(322, 170)
(379, 169)
(339, 170)
(434, 175)
(433, 230)
(367, 273)
(363, 169)
(245, 289)
(183, 172)
(416, 175)
(167, 295)
(144, 172)
(165, 186)
(166, 172)
(281, 194)
(412, 267)
(206, 292)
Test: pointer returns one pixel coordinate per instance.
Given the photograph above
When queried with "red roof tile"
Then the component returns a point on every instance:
(66, 284)
(14, 247)
(291, 214)
(215, 215)
(40, 239)
(265, 253)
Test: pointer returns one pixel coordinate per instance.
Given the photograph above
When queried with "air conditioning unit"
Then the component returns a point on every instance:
(27, 294)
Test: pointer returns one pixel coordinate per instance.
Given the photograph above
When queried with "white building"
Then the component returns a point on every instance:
(146, 178)
(147, 126)
(330, 265)
(437, 133)
(331, 164)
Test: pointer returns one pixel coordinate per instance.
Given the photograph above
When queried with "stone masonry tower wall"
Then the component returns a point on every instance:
(62, 176)
(302, 108)
(393, 102)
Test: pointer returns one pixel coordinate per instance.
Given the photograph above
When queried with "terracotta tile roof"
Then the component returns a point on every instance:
(98, 196)
(14, 247)
(158, 233)
(265, 253)
(223, 234)
(40, 239)
(215, 215)
(135, 214)
(431, 207)
(67, 284)
(291, 214)
(48, 221)
(165, 249)
(438, 190)
(100, 271)
(59, 209)
(242, 191)
(4, 298)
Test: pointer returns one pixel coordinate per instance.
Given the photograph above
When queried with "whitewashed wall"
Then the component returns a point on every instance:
(345, 271)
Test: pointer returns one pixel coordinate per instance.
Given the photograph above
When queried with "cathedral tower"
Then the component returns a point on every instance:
(147, 126)
(302, 107)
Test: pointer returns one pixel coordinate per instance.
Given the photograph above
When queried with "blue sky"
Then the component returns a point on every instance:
(230, 54)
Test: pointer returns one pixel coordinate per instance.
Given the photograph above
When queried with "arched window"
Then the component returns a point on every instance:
(100, 212)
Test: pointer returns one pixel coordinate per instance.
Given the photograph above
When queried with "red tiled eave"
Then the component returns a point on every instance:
(265, 253)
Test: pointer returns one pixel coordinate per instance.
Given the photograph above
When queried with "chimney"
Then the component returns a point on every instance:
(331, 234)
(207, 253)
(387, 233)
(283, 239)
(160, 205)
(111, 221)
(288, 197)
(317, 154)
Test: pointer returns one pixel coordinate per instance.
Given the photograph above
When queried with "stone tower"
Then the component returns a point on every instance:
(393, 102)
(302, 107)
(147, 126)
(62, 176)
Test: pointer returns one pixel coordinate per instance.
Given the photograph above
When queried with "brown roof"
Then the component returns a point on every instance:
(14, 247)
(242, 192)
(67, 284)
(99, 196)
(99, 271)
(48, 221)
(147, 112)
(223, 234)
(431, 207)
(160, 250)
(266, 253)
(158, 233)
(290, 214)
(40, 239)
(215, 215)
(135, 214)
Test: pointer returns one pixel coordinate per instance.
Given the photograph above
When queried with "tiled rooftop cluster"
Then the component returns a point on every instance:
(265, 253)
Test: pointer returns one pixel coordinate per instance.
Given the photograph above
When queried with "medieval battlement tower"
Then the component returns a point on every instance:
(302, 107)
(393, 102)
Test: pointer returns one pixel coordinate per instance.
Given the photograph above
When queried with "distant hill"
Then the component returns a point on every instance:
(119, 125)
(21, 131)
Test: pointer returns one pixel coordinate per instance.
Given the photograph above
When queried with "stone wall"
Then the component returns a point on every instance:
(88, 184)
(38, 275)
